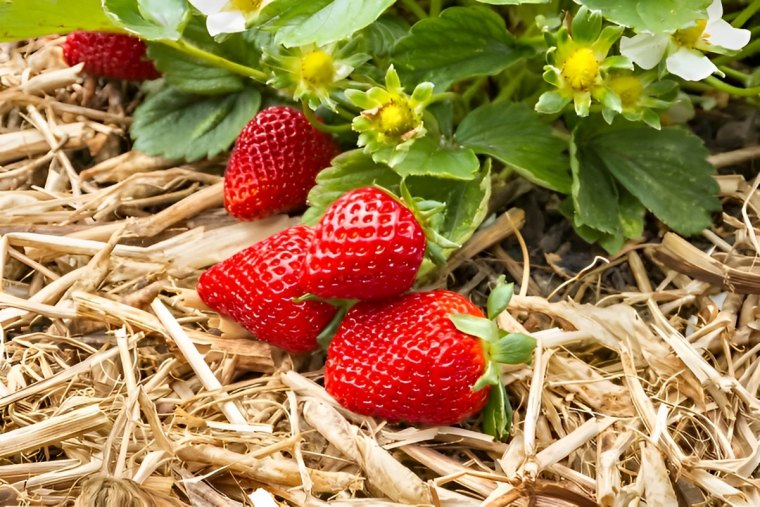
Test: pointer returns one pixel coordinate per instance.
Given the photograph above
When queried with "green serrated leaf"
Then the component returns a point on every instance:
(298, 23)
(179, 125)
(476, 326)
(188, 74)
(21, 19)
(379, 38)
(515, 348)
(655, 16)
(497, 414)
(513, 2)
(431, 157)
(515, 135)
(476, 40)
(667, 170)
(594, 192)
(349, 170)
(150, 19)
(498, 299)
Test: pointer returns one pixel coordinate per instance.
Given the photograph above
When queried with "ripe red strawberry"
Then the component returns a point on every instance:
(111, 55)
(367, 246)
(404, 360)
(256, 287)
(274, 164)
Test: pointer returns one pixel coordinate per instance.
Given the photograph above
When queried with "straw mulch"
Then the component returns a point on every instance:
(117, 387)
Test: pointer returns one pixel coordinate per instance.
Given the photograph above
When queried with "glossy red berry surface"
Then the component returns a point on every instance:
(367, 246)
(274, 164)
(403, 360)
(255, 287)
(111, 55)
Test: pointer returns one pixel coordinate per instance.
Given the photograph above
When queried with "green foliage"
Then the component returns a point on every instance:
(515, 135)
(190, 74)
(513, 2)
(150, 19)
(20, 19)
(621, 168)
(477, 44)
(431, 156)
(179, 125)
(651, 15)
(297, 23)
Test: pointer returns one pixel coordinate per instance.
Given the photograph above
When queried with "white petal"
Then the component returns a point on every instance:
(209, 6)
(720, 33)
(225, 22)
(645, 49)
(690, 65)
(715, 11)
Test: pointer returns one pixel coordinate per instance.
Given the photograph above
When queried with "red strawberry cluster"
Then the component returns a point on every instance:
(111, 55)
(395, 354)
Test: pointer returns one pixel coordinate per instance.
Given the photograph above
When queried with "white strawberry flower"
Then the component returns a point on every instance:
(228, 16)
(685, 47)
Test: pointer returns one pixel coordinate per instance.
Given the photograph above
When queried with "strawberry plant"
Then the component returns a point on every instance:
(445, 96)
(386, 122)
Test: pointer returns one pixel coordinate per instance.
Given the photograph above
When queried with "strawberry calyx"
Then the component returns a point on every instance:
(499, 347)
(430, 215)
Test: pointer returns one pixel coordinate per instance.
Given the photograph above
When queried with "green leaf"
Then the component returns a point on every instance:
(666, 170)
(632, 214)
(179, 125)
(349, 170)
(298, 23)
(476, 326)
(433, 157)
(190, 75)
(594, 192)
(513, 2)
(515, 348)
(22, 19)
(379, 38)
(150, 19)
(652, 15)
(466, 202)
(498, 299)
(497, 414)
(476, 43)
(515, 135)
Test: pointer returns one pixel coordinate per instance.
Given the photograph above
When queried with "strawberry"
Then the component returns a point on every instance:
(111, 55)
(274, 164)
(404, 360)
(256, 287)
(367, 246)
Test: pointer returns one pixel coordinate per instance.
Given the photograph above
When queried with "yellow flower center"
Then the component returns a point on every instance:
(396, 119)
(688, 37)
(628, 88)
(247, 6)
(581, 69)
(317, 68)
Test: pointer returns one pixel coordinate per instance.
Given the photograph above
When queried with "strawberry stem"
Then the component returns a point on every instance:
(317, 124)
(216, 60)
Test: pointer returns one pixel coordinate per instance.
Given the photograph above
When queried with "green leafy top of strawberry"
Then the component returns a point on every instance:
(499, 347)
